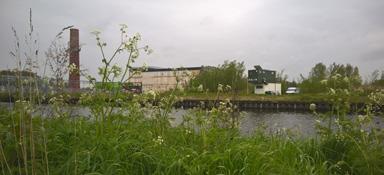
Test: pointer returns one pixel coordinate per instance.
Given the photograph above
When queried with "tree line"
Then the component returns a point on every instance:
(319, 79)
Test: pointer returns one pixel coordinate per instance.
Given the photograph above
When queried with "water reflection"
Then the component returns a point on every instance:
(301, 124)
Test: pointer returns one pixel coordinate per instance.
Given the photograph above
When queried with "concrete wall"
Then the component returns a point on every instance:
(273, 87)
(164, 80)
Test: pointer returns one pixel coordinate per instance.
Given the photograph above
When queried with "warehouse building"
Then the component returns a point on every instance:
(265, 81)
(164, 79)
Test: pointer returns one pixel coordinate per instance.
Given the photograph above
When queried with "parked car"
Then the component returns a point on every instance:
(292, 90)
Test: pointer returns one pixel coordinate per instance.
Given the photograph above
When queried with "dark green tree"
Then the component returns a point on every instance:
(319, 72)
(335, 76)
(231, 73)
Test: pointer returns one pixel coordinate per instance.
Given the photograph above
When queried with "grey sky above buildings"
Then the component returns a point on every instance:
(292, 35)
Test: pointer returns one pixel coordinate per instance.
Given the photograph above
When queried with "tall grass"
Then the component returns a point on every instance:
(132, 145)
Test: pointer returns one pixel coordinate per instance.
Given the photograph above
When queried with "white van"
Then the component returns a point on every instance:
(292, 90)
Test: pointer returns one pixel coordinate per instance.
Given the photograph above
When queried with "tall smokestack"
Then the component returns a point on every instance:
(74, 59)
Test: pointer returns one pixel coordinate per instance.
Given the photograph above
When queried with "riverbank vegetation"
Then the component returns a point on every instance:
(137, 137)
(143, 141)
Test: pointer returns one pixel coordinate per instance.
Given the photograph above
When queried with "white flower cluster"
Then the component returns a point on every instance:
(377, 97)
(220, 88)
(159, 140)
(200, 88)
(312, 107)
(152, 94)
(187, 131)
(73, 68)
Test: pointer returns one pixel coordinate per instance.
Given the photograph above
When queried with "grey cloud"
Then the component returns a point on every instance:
(280, 34)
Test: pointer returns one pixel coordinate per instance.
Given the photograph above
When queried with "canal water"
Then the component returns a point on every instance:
(298, 123)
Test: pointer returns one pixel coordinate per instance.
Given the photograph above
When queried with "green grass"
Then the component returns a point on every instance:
(279, 98)
(5, 97)
(129, 144)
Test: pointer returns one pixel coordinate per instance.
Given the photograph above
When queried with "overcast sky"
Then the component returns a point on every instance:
(277, 34)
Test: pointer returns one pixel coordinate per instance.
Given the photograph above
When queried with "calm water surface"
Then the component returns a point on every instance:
(302, 124)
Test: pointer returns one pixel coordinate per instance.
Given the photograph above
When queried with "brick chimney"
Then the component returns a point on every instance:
(74, 58)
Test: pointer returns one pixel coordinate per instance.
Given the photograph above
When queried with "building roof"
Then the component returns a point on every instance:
(16, 73)
(160, 69)
(261, 76)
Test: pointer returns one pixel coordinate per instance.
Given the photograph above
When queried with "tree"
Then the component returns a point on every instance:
(382, 75)
(374, 76)
(319, 72)
(231, 73)
(283, 79)
(349, 70)
(57, 58)
(344, 76)
(356, 78)
(334, 76)
(374, 79)
(313, 84)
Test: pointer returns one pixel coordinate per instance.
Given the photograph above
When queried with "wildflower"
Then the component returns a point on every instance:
(119, 100)
(138, 36)
(324, 82)
(346, 91)
(72, 67)
(135, 54)
(337, 76)
(312, 107)
(187, 131)
(220, 88)
(152, 94)
(116, 70)
(123, 26)
(52, 100)
(200, 88)
(228, 87)
(337, 121)
(318, 121)
(332, 91)
(360, 118)
(159, 140)
(146, 47)
(346, 79)
(144, 67)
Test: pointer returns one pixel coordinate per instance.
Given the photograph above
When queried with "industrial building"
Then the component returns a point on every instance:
(265, 81)
(164, 79)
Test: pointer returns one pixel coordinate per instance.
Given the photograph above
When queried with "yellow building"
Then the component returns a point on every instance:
(164, 79)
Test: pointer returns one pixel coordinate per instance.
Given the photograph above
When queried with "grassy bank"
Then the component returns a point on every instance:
(74, 97)
(144, 143)
(319, 97)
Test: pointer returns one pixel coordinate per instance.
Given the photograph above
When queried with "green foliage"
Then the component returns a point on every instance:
(110, 86)
(343, 137)
(375, 81)
(378, 83)
(231, 73)
(135, 144)
(321, 78)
